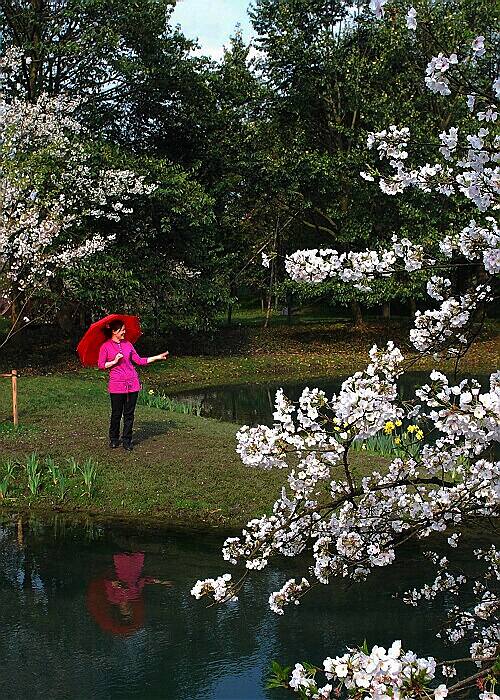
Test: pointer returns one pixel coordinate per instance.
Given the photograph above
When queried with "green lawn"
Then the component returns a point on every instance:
(184, 470)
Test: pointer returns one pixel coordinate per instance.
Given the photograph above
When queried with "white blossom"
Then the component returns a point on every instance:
(411, 19)
(478, 47)
(352, 524)
(220, 588)
(377, 7)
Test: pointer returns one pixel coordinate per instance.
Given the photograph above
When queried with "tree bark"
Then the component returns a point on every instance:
(357, 313)
(386, 310)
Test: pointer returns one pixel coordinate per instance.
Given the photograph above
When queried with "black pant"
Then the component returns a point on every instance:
(122, 404)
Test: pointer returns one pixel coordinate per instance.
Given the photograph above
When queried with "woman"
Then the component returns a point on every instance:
(117, 355)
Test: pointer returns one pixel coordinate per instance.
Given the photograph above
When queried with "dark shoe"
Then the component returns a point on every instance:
(114, 444)
(128, 446)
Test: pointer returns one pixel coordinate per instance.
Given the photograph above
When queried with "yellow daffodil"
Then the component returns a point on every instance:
(389, 427)
(397, 440)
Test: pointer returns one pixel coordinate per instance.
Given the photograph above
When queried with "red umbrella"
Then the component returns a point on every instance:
(88, 347)
(108, 616)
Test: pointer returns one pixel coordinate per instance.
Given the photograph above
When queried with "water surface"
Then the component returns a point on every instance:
(252, 404)
(98, 612)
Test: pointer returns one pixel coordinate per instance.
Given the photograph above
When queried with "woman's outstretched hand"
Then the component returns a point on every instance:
(155, 358)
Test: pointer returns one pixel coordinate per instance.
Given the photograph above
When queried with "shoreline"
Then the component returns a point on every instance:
(81, 518)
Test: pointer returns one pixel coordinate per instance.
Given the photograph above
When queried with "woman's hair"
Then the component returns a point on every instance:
(114, 325)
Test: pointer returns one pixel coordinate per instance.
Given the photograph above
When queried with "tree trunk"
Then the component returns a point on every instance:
(413, 307)
(157, 313)
(357, 314)
(386, 310)
(38, 7)
(268, 310)
(229, 313)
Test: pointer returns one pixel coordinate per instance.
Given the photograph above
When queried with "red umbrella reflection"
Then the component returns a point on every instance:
(88, 347)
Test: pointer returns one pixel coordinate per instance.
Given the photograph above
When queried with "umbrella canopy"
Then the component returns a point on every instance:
(108, 616)
(88, 347)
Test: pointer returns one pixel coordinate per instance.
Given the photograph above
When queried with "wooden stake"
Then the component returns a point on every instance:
(13, 375)
(14, 397)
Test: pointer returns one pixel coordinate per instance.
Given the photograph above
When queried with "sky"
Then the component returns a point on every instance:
(212, 22)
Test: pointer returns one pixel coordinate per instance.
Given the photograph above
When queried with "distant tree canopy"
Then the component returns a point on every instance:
(260, 151)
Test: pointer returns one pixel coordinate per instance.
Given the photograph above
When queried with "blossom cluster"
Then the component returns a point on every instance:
(357, 268)
(352, 524)
(476, 242)
(441, 486)
(436, 330)
(471, 170)
(290, 592)
(381, 673)
(473, 159)
(37, 218)
(437, 73)
(479, 619)
(219, 588)
(44, 211)
(462, 412)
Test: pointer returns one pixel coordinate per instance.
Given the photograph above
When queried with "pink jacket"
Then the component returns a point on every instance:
(123, 377)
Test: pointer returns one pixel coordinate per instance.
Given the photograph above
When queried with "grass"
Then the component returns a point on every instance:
(184, 470)
(31, 479)
(153, 399)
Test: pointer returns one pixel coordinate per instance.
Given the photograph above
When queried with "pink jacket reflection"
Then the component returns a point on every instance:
(128, 569)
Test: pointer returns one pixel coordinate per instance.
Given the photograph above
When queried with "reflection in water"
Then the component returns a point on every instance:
(116, 603)
(149, 641)
(252, 404)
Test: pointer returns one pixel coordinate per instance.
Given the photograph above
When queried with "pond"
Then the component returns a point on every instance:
(97, 612)
(251, 404)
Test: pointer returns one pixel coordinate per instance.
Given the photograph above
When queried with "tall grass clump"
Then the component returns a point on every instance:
(6, 478)
(53, 469)
(62, 485)
(33, 473)
(89, 472)
(38, 477)
(167, 403)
